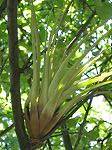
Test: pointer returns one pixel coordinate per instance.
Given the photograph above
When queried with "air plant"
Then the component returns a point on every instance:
(47, 103)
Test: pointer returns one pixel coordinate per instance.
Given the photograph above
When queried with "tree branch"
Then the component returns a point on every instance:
(15, 75)
(81, 30)
(2, 133)
(83, 124)
(66, 137)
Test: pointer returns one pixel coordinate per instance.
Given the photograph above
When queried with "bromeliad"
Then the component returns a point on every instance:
(47, 102)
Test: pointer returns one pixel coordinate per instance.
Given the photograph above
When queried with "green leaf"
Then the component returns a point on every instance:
(73, 121)
(103, 9)
(93, 134)
(0, 89)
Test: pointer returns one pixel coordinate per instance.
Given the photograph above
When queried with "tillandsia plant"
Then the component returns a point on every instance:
(47, 103)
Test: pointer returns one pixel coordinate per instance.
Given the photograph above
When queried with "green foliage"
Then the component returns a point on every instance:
(48, 14)
(103, 9)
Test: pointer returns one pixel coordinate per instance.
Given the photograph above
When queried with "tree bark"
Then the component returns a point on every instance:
(15, 75)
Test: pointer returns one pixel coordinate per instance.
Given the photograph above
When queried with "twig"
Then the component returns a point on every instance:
(49, 144)
(66, 137)
(105, 138)
(2, 133)
(26, 65)
(28, 62)
(106, 97)
(83, 124)
(81, 30)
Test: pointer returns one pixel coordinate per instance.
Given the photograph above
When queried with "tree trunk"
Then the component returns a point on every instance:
(15, 76)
